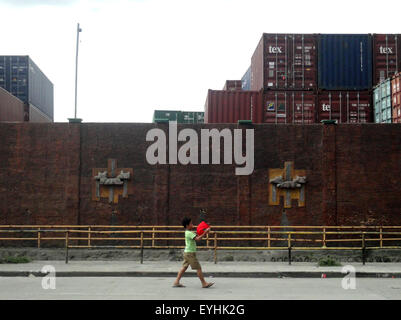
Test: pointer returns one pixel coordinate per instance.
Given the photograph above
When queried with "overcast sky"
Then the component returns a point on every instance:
(140, 55)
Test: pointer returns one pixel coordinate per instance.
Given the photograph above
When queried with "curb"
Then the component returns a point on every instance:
(295, 274)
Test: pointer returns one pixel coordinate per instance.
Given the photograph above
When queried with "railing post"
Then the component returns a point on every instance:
(141, 247)
(289, 248)
(381, 237)
(268, 237)
(66, 247)
(89, 237)
(324, 237)
(38, 238)
(153, 237)
(215, 247)
(363, 248)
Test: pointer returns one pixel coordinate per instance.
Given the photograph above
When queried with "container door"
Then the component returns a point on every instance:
(358, 107)
(302, 69)
(303, 107)
(276, 61)
(290, 61)
(275, 107)
(387, 56)
(330, 106)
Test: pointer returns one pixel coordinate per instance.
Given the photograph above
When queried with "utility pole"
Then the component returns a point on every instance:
(76, 78)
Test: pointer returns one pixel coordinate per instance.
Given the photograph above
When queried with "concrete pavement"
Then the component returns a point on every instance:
(222, 269)
(160, 288)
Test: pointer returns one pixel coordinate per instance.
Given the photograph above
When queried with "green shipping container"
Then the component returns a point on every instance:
(382, 102)
(192, 117)
(179, 116)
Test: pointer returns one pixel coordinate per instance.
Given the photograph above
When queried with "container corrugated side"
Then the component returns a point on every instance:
(257, 65)
(40, 90)
(345, 106)
(231, 106)
(285, 61)
(386, 56)
(382, 102)
(345, 62)
(396, 97)
(11, 108)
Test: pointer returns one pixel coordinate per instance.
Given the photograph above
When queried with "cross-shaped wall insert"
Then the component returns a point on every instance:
(111, 182)
(288, 183)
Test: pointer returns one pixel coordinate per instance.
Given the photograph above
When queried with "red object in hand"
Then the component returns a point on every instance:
(201, 228)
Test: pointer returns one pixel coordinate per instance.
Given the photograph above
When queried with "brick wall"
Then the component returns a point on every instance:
(352, 176)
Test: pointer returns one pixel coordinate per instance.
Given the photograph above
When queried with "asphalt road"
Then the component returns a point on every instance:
(142, 288)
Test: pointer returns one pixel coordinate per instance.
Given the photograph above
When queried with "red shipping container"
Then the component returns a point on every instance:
(386, 56)
(396, 98)
(285, 61)
(296, 107)
(230, 106)
(345, 106)
(233, 85)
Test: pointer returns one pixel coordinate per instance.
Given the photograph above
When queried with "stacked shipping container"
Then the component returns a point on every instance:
(288, 107)
(20, 76)
(345, 62)
(386, 56)
(179, 116)
(233, 85)
(345, 106)
(307, 78)
(284, 61)
(396, 97)
(231, 106)
(246, 80)
(382, 102)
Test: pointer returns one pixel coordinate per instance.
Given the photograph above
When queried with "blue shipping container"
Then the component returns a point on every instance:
(20, 76)
(246, 80)
(345, 61)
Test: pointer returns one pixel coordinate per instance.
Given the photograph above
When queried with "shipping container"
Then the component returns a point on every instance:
(345, 61)
(20, 76)
(296, 107)
(179, 116)
(170, 115)
(382, 102)
(193, 117)
(396, 97)
(11, 108)
(231, 106)
(35, 115)
(386, 56)
(233, 85)
(345, 106)
(285, 61)
(246, 80)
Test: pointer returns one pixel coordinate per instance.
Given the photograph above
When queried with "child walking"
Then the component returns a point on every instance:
(190, 254)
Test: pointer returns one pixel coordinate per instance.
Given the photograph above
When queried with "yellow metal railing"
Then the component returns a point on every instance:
(221, 237)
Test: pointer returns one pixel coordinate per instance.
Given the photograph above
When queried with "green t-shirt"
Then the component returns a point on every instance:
(190, 243)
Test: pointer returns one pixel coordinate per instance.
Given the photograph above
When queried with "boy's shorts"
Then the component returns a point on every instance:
(191, 260)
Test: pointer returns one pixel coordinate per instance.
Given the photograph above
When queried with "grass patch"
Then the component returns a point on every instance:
(328, 262)
(11, 259)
